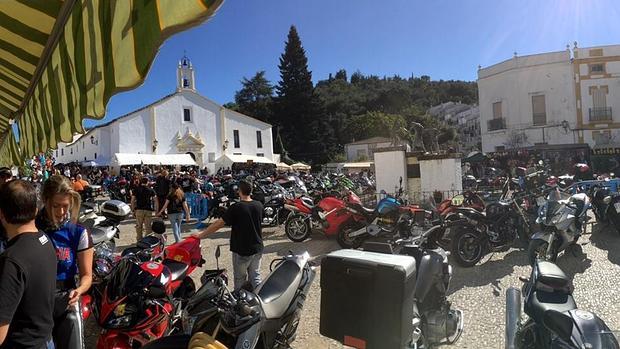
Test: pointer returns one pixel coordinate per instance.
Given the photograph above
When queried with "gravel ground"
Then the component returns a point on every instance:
(479, 291)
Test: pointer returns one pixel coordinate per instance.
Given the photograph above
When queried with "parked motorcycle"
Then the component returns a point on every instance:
(330, 215)
(562, 221)
(272, 197)
(265, 318)
(554, 321)
(606, 206)
(144, 300)
(389, 219)
(493, 230)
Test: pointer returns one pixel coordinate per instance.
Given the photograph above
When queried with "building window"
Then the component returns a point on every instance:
(83, 145)
(187, 115)
(260, 155)
(237, 154)
(236, 138)
(259, 139)
(539, 110)
(497, 110)
(62, 152)
(95, 156)
(185, 83)
(600, 111)
(597, 68)
(71, 151)
(56, 153)
(85, 158)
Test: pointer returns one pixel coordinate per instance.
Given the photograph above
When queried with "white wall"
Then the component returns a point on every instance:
(514, 82)
(440, 174)
(390, 166)
(247, 135)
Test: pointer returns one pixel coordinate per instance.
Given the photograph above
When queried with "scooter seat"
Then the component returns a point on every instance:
(552, 276)
(178, 270)
(543, 301)
(278, 290)
(148, 242)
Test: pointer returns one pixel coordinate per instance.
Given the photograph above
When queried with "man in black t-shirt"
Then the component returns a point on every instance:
(142, 202)
(27, 272)
(246, 239)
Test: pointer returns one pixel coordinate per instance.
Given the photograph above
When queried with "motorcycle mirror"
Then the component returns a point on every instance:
(218, 252)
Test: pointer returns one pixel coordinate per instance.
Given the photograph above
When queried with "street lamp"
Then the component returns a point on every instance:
(155, 142)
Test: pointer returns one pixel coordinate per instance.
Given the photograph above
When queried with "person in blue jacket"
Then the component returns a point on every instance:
(74, 252)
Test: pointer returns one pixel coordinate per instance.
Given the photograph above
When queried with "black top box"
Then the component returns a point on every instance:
(367, 298)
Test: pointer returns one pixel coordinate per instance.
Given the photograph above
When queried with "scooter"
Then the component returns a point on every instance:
(606, 206)
(265, 318)
(554, 321)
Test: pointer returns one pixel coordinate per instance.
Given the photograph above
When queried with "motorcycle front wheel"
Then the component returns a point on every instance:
(466, 249)
(537, 249)
(297, 228)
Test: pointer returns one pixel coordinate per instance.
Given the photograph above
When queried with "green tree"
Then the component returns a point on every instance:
(255, 97)
(297, 109)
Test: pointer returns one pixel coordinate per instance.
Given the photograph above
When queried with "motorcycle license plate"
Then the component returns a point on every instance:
(617, 206)
(540, 201)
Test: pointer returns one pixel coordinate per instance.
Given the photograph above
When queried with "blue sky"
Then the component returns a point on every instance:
(446, 39)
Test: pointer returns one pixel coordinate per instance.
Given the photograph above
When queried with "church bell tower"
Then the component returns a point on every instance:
(185, 75)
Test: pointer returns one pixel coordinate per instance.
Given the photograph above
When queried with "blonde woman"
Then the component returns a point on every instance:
(176, 205)
(74, 251)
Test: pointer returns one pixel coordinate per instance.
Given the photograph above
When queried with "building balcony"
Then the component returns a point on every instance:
(496, 124)
(600, 114)
(539, 119)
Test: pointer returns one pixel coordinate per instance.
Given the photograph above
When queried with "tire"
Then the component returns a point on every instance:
(343, 236)
(465, 251)
(297, 228)
(534, 251)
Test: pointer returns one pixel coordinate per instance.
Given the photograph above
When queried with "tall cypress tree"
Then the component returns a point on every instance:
(296, 104)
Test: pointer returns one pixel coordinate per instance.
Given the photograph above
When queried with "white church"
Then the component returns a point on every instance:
(183, 122)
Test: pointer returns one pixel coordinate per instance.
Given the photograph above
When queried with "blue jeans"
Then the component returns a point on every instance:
(246, 269)
(175, 221)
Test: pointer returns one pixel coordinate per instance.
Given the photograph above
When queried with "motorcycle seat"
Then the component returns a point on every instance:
(542, 301)
(178, 270)
(278, 290)
(552, 276)
(148, 242)
(367, 211)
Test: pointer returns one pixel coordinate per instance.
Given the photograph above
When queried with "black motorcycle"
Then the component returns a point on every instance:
(493, 230)
(553, 318)
(265, 318)
(435, 322)
(272, 197)
(606, 206)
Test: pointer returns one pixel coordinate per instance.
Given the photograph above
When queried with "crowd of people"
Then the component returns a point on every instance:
(46, 257)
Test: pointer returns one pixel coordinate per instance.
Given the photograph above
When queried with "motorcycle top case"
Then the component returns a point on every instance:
(115, 209)
(367, 298)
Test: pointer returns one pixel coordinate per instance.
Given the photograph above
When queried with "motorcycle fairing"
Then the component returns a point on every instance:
(580, 328)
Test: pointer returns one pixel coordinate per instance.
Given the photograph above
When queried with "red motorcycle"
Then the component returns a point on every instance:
(143, 300)
(328, 216)
(467, 199)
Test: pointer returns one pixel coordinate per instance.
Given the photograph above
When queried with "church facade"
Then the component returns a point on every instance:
(183, 122)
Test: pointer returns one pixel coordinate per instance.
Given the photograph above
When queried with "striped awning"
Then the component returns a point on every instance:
(61, 61)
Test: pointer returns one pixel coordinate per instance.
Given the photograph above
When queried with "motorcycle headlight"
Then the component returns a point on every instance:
(123, 191)
(102, 267)
(119, 322)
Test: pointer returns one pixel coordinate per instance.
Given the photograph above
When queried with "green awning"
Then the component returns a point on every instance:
(61, 61)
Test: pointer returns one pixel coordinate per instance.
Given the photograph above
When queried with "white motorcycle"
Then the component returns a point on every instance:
(562, 219)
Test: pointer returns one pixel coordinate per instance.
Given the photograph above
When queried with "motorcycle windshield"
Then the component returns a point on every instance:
(128, 277)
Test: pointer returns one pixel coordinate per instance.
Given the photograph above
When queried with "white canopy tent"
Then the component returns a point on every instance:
(123, 159)
(301, 166)
(227, 160)
(283, 166)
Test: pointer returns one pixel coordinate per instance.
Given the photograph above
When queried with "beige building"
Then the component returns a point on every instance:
(556, 98)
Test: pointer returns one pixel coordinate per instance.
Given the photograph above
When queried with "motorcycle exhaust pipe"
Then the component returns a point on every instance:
(513, 316)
